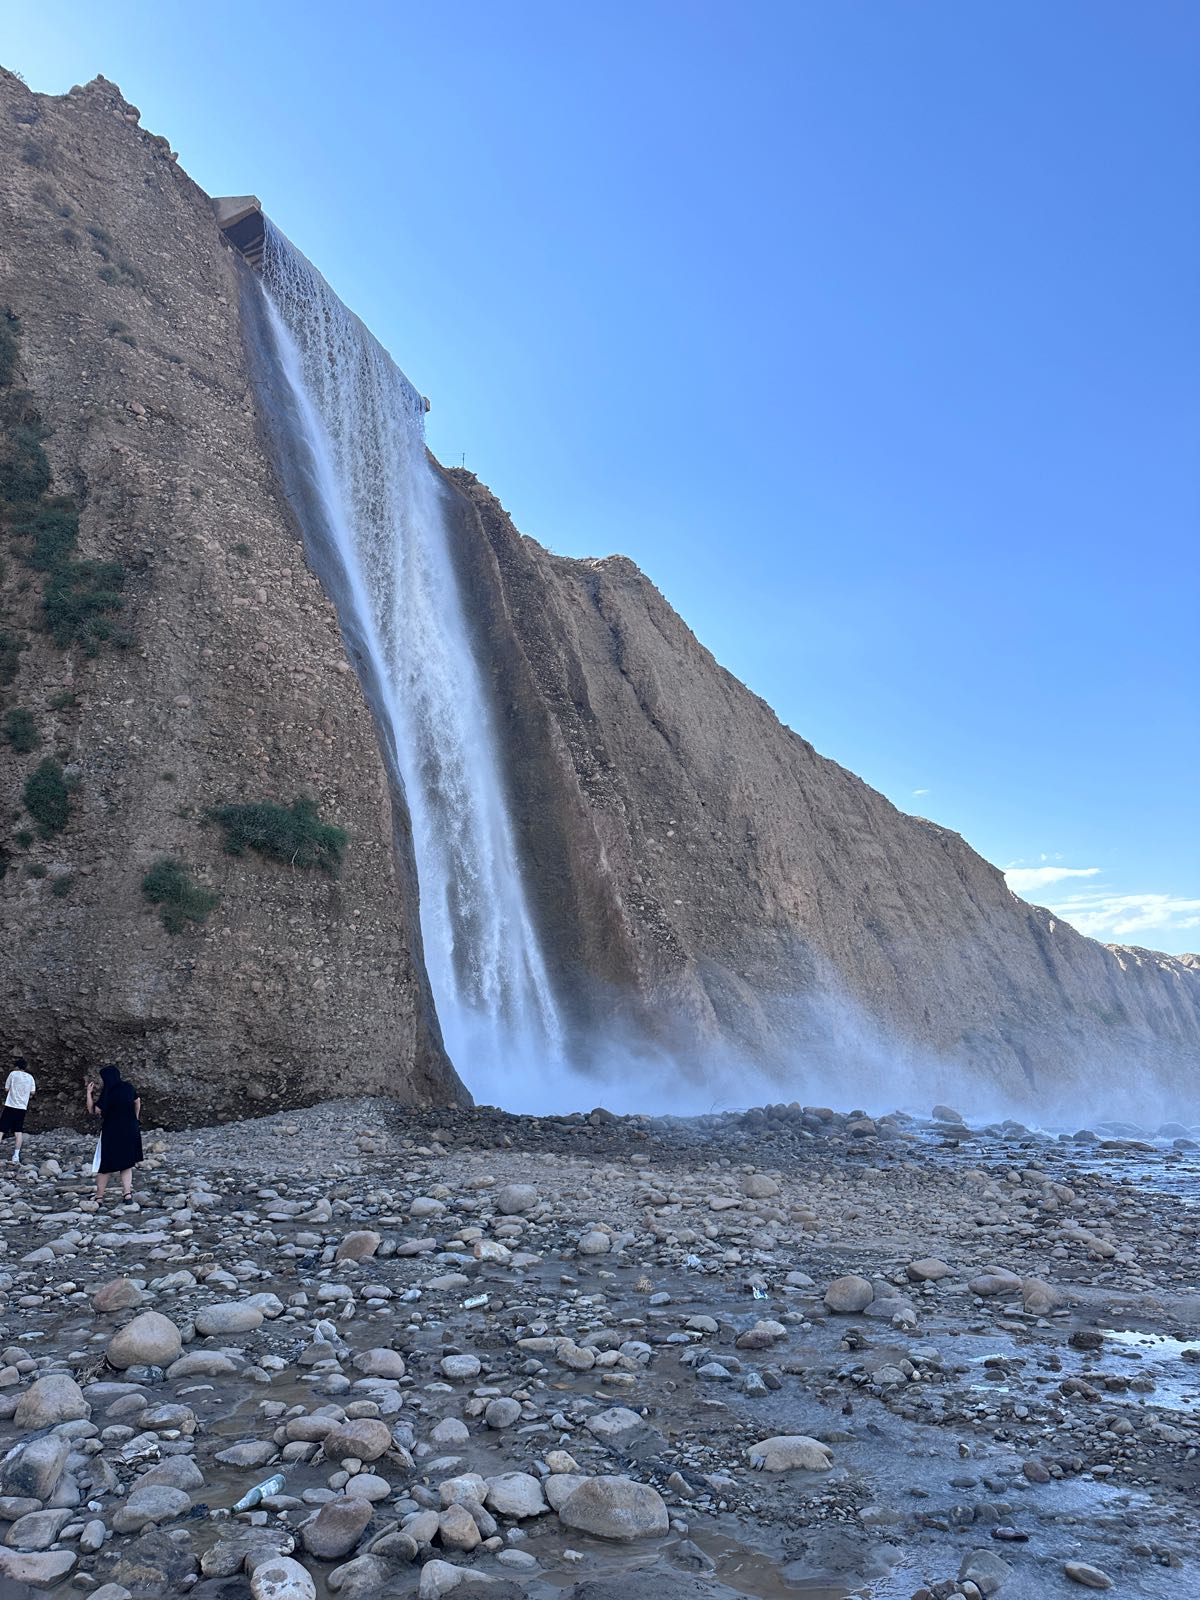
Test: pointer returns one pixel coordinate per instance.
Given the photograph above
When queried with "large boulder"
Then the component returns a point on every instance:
(790, 1452)
(150, 1340)
(337, 1527)
(119, 1294)
(849, 1294)
(227, 1316)
(149, 1505)
(281, 1578)
(54, 1398)
(615, 1508)
(380, 1362)
(36, 1471)
(995, 1281)
(364, 1439)
(515, 1494)
(358, 1246)
(40, 1569)
(515, 1199)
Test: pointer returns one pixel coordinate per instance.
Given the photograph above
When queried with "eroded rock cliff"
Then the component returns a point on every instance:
(734, 886)
(217, 674)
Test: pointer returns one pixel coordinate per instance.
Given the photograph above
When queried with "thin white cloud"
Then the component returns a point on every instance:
(1103, 915)
(922, 791)
(1025, 880)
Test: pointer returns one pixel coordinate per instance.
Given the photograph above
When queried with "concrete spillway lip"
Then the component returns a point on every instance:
(240, 219)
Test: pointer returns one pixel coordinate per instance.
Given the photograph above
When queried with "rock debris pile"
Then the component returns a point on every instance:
(362, 1351)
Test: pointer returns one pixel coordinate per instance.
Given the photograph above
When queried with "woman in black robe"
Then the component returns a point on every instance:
(120, 1106)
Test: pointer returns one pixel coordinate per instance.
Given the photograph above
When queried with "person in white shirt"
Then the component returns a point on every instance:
(18, 1087)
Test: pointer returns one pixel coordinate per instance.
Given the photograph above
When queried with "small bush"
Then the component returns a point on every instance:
(294, 834)
(120, 272)
(47, 798)
(35, 869)
(180, 900)
(20, 730)
(64, 701)
(23, 837)
(34, 154)
(78, 600)
(63, 885)
(10, 655)
(52, 526)
(24, 469)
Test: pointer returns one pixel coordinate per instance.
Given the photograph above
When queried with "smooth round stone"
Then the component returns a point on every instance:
(461, 1367)
(149, 1340)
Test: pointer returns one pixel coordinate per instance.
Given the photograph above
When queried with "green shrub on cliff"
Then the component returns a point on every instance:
(47, 797)
(20, 730)
(293, 834)
(78, 602)
(179, 898)
(79, 597)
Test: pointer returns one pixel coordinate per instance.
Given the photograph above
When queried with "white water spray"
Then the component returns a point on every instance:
(363, 427)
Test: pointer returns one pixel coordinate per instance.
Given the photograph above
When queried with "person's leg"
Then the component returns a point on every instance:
(18, 1140)
(101, 1184)
(127, 1183)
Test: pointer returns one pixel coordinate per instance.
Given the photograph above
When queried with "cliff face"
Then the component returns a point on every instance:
(224, 679)
(700, 875)
(756, 895)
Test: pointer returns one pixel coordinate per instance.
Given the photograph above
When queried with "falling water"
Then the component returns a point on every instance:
(363, 430)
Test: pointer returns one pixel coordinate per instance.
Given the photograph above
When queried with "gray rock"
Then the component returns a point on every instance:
(515, 1199)
(149, 1340)
(502, 1412)
(849, 1294)
(40, 1570)
(54, 1398)
(615, 1508)
(1089, 1577)
(281, 1578)
(228, 1316)
(38, 1468)
(461, 1367)
(37, 1530)
(984, 1569)
(337, 1527)
(380, 1362)
(515, 1494)
(364, 1439)
(150, 1504)
(790, 1452)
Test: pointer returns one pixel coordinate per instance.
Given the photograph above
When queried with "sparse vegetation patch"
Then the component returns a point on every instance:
(47, 797)
(20, 730)
(292, 834)
(179, 898)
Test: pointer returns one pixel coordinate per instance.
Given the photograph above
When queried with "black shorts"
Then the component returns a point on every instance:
(12, 1119)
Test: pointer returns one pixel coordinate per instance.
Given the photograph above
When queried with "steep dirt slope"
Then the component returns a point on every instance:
(224, 679)
(753, 891)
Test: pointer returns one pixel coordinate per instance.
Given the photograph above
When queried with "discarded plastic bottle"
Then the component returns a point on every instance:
(260, 1491)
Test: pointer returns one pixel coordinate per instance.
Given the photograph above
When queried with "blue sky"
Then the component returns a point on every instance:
(869, 330)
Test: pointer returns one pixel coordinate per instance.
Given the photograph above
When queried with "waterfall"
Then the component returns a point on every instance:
(362, 436)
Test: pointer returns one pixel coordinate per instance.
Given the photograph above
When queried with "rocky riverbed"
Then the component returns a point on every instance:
(782, 1352)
